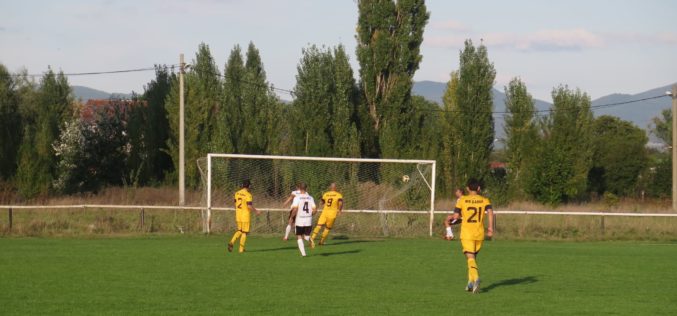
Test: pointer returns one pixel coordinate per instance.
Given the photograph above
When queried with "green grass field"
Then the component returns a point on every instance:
(194, 275)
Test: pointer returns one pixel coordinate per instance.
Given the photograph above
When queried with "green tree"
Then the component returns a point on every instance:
(202, 106)
(565, 153)
(323, 113)
(449, 139)
(156, 131)
(313, 103)
(93, 152)
(344, 126)
(10, 124)
(37, 163)
(261, 107)
(473, 124)
(325, 105)
(620, 155)
(233, 117)
(389, 36)
(521, 134)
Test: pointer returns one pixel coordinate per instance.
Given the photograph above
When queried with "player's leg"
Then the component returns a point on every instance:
(299, 240)
(447, 225)
(237, 235)
(327, 228)
(320, 223)
(470, 249)
(243, 238)
(290, 224)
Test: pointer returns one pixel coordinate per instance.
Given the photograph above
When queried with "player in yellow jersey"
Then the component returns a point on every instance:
(243, 208)
(471, 209)
(332, 205)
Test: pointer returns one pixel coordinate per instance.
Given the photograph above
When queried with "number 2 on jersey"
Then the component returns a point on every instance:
(239, 202)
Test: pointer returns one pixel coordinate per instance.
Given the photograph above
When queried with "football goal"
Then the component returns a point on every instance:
(382, 197)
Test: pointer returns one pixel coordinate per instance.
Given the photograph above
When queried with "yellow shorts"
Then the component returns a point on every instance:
(326, 221)
(471, 246)
(243, 226)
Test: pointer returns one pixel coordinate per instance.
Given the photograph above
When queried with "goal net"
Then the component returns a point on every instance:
(382, 197)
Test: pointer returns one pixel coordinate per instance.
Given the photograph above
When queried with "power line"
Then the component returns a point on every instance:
(291, 92)
(94, 72)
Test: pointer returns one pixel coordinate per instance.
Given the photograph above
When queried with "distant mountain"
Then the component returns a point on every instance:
(640, 113)
(86, 93)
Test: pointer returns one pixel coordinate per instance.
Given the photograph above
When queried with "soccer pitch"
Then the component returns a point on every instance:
(195, 275)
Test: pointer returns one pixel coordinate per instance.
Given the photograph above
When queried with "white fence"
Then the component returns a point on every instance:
(142, 208)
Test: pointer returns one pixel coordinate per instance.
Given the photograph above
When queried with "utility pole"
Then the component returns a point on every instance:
(674, 147)
(182, 171)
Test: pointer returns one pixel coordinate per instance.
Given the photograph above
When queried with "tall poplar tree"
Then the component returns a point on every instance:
(449, 139)
(344, 126)
(521, 134)
(156, 131)
(261, 108)
(473, 123)
(233, 116)
(202, 106)
(389, 36)
(312, 113)
(37, 163)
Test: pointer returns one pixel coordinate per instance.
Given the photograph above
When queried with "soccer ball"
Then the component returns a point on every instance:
(405, 178)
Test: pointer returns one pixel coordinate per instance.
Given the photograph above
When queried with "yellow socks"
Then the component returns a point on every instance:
(243, 240)
(473, 272)
(325, 233)
(315, 231)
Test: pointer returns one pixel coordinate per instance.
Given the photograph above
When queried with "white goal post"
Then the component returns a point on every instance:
(382, 186)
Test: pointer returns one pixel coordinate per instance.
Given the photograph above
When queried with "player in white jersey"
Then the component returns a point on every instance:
(303, 208)
(449, 221)
(290, 220)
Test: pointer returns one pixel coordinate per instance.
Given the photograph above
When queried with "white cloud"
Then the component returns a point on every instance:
(452, 25)
(566, 39)
(554, 40)
(544, 40)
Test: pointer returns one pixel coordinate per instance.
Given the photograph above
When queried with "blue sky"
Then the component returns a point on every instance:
(601, 47)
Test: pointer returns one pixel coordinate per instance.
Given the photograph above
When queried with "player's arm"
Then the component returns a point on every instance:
(314, 209)
(294, 210)
(447, 221)
(490, 214)
(340, 207)
(252, 208)
(456, 215)
(288, 200)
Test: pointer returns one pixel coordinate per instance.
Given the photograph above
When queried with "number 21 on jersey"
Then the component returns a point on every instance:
(476, 215)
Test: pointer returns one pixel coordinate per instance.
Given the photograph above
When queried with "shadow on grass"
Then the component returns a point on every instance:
(509, 282)
(274, 249)
(347, 252)
(346, 241)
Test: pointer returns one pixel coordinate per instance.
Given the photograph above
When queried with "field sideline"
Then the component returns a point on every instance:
(193, 274)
